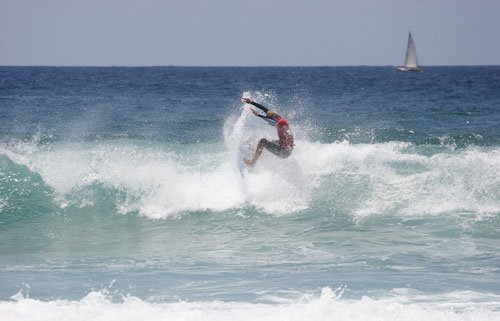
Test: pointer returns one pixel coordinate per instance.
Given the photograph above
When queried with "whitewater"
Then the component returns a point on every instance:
(165, 181)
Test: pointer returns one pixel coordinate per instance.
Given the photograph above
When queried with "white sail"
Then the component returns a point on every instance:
(411, 54)
(411, 63)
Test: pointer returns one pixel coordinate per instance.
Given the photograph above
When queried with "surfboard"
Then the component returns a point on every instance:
(244, 151)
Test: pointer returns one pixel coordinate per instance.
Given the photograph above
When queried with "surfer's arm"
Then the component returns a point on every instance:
(250, 101)
(264, 117)
(264, 109)
(269, 120)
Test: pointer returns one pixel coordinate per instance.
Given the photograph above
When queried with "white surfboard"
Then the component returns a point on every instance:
(244, 151)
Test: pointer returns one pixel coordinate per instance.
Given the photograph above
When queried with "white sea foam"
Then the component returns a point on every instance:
(327, 306)
(161, 181)
(388, 178)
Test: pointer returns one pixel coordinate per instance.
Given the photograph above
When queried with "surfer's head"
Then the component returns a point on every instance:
(273, 115)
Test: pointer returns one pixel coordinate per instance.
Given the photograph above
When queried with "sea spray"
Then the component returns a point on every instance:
(274, 185)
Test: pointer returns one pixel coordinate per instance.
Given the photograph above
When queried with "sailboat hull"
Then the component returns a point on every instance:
(407, 69)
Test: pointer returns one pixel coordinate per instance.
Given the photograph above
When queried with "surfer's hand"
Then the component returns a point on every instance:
(246, 100)
(254, 112)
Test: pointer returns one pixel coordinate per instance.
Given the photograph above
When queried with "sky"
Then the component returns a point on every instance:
(247, 32)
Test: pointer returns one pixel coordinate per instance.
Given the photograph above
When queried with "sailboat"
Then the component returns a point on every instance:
(411, 63)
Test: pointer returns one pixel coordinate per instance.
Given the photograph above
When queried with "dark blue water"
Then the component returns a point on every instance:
(119, 193)
(191, 104)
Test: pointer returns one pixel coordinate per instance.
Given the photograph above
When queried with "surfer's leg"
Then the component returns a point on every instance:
(258, 151)
(275, 148)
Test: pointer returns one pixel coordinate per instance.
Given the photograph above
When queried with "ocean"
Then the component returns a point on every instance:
(121, 198)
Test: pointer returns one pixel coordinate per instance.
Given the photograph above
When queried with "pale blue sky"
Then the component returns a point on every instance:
(247, 33)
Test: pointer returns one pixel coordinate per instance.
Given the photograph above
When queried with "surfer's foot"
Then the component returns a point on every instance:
(249, 163)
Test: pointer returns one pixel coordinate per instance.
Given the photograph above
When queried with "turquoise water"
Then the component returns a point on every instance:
(120, 197)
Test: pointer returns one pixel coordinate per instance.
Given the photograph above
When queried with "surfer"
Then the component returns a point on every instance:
(282, 147)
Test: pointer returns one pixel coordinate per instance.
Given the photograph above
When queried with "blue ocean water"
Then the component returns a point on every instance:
(120, 197)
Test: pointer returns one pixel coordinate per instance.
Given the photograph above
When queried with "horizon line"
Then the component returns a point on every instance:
(238, 66)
